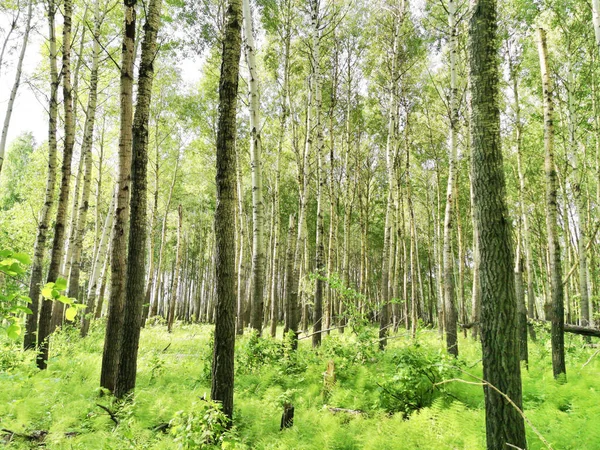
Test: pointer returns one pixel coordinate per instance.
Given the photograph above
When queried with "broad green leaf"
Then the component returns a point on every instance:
(61, 284)
(23, 258)
(70, 313)
(13, 331)
(47, 291)
(64, 299)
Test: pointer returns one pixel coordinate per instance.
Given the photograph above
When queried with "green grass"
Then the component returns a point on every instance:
(400, 408)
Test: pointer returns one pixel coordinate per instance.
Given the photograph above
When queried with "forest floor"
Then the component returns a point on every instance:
(396, 395)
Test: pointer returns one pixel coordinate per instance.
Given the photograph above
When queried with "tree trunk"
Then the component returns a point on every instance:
(154, 310)
(136, 256)
(16, 84)
(29, 340)
(223, 359)
(501, 369)
(448, 258)
(291, 303)
(114, 325)
(557, 317)
(58, 243)
(86, 154)
(177, 274)
(258, 246)
(95, 279)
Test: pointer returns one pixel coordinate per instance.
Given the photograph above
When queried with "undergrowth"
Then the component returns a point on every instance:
(397, 398)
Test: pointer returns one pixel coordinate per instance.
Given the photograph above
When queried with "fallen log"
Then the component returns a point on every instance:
(575, 329)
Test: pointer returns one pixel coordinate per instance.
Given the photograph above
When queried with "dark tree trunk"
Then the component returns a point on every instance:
(223, 357)
(501, 367)
(114, 325)
(136, 257)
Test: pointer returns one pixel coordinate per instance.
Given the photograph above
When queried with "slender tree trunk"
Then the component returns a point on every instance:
(291, 308)
(320, 248)
(177, 274)
(449, 294)
(501, 368)
(30, 337)
(240, 243)
(44, 328)
(222, 367)
(558, 312)
(99, 264)
(136, 256)
(86, 154)
(16, 84)
(258, 245)
(114, 325)
(163, 239)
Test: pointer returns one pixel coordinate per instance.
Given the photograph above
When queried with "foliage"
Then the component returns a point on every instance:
(204, 427)
(12, 301)
(413, 383)
(63, 398)
(52, 291)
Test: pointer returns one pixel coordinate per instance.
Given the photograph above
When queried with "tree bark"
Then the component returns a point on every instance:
(177, 274)
(30, 338)
(114, 325)
(223, 357)
(16, 84)
(44, 328)
(136, 256)
(501, 368)
(557, 290)
(450, 316)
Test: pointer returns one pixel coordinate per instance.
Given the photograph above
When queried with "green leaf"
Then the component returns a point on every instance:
(47, 291)
(14, 331)
(23, 258)
(61, 284)
(70, 313)
(66, 300)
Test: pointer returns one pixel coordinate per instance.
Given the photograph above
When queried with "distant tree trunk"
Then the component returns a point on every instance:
(258, 219)
(99, 263)
(240, 243)
(16, 84)
(501, 368)
(525, 239)
(558, 311)
(448, 257)
(320, 249)
(291, 302)
(136, 256)
(58, 243)
(390, 155)
(177, 274)
(114, 325)
(223, 357)
(86, 154)
(30, 337)
(580, 201)
(163, 239)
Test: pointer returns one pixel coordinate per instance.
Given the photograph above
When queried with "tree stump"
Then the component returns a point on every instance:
(328, 379)
(287, 418)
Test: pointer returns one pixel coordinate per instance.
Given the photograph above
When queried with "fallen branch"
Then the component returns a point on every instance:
(163, 427)
(112, 415)
(482, 382)
(590, 359)
(37, 435)
(317, 332)
(355, 412)
(467, 326)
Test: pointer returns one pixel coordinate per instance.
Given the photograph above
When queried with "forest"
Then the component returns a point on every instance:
(286, 224)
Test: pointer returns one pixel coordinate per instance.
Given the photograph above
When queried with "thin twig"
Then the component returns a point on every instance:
(591, 357)
(112, 415)
(482, 382)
